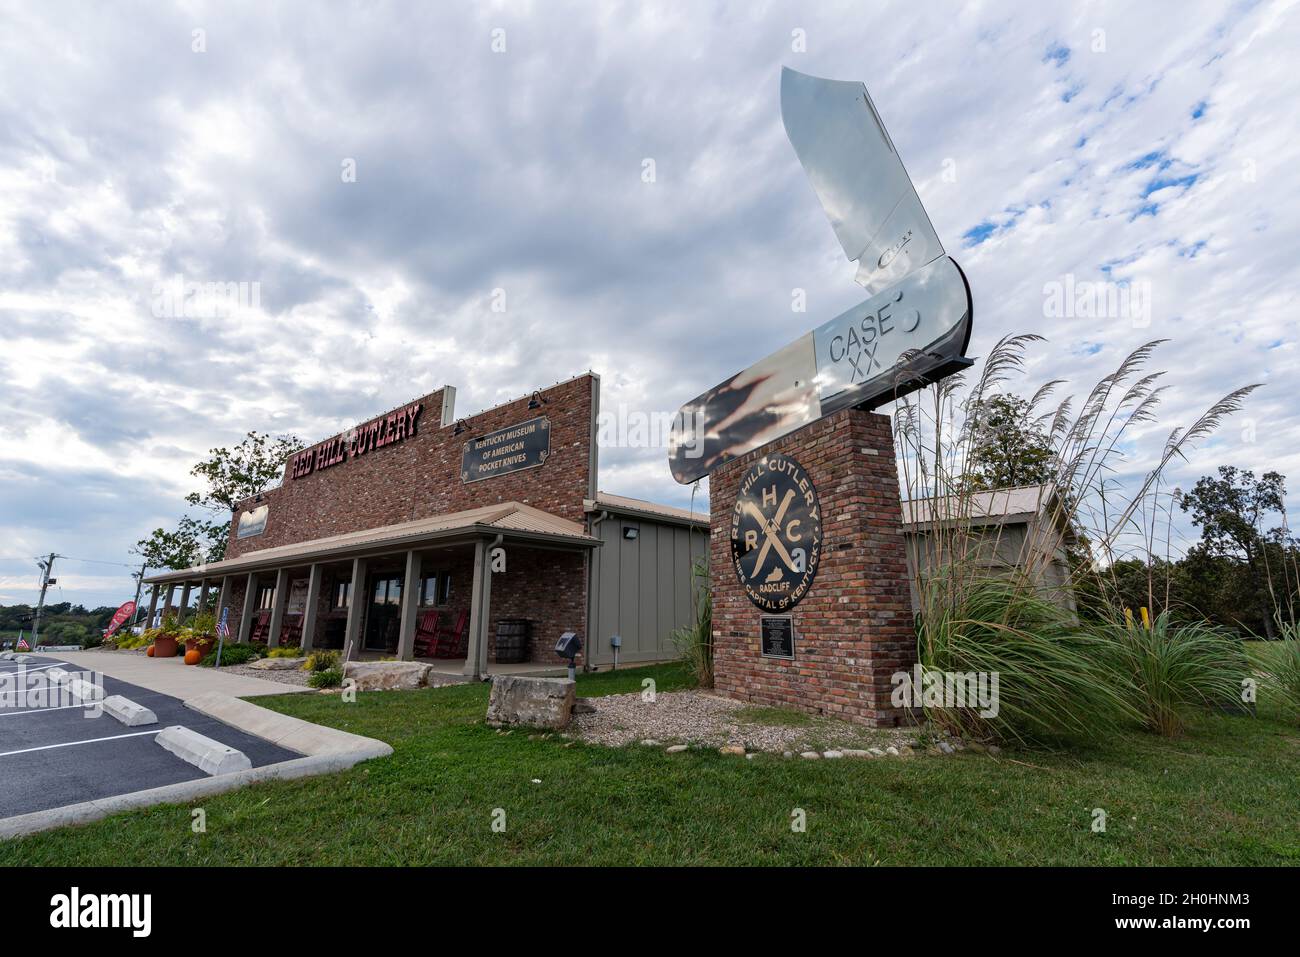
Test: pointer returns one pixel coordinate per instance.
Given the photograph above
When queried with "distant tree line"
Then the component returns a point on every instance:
(1243, 573)
(62, 623)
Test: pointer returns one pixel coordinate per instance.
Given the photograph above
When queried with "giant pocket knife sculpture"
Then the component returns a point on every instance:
(912, 331)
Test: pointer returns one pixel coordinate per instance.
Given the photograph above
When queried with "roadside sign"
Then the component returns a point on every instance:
(912, 331)
(119, 616)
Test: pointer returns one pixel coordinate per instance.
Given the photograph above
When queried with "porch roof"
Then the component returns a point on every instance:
(514, 520)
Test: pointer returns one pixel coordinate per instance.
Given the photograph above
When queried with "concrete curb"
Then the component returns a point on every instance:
(206, 754)
(337, 751)
(128, 712)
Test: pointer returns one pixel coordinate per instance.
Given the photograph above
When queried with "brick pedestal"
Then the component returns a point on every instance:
(854, 626)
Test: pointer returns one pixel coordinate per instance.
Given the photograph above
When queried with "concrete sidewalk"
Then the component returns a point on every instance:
(172, 676)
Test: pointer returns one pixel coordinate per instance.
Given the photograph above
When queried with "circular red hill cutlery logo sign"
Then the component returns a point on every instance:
(776, 533)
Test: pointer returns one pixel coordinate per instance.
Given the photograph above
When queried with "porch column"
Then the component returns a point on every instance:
(185, 603)
(203, 595)
(277, 608)
(171, 596)
(480, 604)
(410, 605)
(309, 613)
(250, 605)
(351, 637)
(153, 604)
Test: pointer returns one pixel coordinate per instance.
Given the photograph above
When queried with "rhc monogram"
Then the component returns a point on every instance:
(776, 533)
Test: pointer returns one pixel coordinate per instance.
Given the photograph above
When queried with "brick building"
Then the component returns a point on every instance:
(473, 543)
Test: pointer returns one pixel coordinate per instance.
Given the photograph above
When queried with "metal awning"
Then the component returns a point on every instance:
(515, 521)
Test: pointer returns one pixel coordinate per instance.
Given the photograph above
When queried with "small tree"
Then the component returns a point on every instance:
(1008, 447)
(231, 475)
(1230, 511)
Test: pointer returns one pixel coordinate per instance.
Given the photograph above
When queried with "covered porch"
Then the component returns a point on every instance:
(487, 590)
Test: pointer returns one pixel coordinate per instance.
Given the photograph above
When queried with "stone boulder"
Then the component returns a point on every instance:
(277, 664)
(533, 702)
(387, 675)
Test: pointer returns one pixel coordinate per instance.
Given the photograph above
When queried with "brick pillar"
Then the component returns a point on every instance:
(853, 627)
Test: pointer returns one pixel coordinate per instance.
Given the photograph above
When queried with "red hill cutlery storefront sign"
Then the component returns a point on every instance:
(375, 434)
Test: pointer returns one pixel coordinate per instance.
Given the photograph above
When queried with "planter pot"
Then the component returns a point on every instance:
(165, 647)
(201, 645)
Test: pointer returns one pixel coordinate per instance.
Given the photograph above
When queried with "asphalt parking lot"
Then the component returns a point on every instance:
(62, 754)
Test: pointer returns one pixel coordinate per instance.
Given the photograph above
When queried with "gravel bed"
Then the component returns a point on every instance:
(286, 676)
(703, 718)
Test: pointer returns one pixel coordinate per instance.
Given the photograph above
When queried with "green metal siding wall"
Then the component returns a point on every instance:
(641, 587)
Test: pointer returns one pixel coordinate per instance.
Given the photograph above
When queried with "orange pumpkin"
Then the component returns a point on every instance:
(148, 653)
(193, 656)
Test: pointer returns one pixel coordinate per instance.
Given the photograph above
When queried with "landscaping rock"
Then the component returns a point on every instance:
(787, 754)
(385, 675)
(994, 750)
(856, 753)
(583, 706)
(945, 747)
(675, 749)
(832, 754)
(892, 751)
(281, 664)
(534, 702)
(810, 755)
(731, 749)
(876, 752)
(650, 743)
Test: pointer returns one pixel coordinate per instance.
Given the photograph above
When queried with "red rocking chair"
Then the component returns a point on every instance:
(454, 644)
(426, 633)
(261, 627)
(291, 631)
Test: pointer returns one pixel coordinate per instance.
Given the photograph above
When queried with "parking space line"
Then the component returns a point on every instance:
(28, 670)
(62, 707)
(73, 744)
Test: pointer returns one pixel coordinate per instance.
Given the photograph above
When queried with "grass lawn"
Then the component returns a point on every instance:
(1226, 793)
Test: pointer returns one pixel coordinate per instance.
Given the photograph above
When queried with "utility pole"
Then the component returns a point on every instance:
(47, 566)
(139, 584)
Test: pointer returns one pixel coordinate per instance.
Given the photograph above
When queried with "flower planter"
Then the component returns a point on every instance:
(165, 647)
(201, 645)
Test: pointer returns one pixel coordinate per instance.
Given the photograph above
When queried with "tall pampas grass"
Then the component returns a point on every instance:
(1059, 674)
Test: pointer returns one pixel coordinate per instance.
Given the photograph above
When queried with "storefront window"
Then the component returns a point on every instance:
(265, 597)
(435, 589)
(342, 594)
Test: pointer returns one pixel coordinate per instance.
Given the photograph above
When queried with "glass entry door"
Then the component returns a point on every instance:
(384, 614)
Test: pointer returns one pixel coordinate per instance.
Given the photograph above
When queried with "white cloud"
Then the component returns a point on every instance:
(126, 158)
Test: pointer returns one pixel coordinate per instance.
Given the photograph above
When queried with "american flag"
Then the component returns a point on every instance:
(22, 643)
(223, 628)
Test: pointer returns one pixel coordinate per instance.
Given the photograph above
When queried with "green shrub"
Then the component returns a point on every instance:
(319, 661)
(1052, 674)
(1169, 670)
(284, 651)
(91, 641)
(329, 678)
(231, 654)
(695, 642)
(204, 623)
(129, 641)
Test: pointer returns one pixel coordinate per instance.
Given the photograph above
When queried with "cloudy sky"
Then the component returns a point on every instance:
(378, 170)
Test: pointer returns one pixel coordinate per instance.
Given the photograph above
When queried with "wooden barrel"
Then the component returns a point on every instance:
(512, 640)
